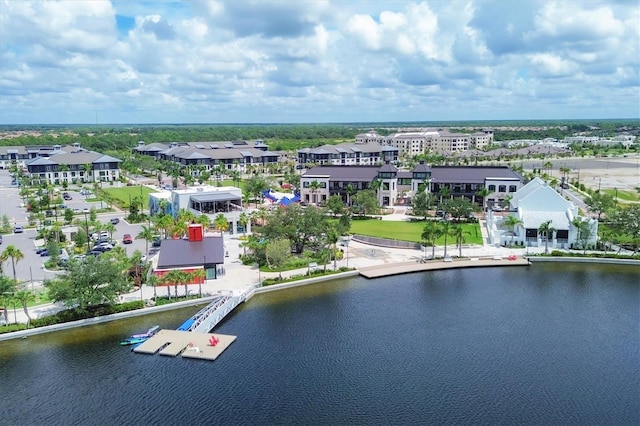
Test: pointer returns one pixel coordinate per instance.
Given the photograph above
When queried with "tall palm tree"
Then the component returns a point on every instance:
(13, 253)
(146, 233)
(546, 229)
(483, 193)
(430, 234)
(351, 190)
(458, 233)
(512, 222)
(198, 275)
(445, 228)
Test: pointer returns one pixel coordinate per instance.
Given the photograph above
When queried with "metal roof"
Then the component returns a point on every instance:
(214, 196)
(185, 253)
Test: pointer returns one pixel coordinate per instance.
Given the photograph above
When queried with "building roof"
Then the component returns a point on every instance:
(214, 196)
(344, 173)
(470, 174)
(184, 253)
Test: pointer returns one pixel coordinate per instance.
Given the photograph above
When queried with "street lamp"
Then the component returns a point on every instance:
(86, 226)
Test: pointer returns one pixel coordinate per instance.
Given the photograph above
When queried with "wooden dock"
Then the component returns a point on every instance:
(384, 270)
(188, 343)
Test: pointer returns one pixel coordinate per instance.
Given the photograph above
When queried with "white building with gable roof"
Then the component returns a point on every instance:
(534, 204)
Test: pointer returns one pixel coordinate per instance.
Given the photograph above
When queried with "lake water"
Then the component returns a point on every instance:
(546, 344)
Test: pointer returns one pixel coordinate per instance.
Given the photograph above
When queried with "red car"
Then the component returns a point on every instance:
(127, 239)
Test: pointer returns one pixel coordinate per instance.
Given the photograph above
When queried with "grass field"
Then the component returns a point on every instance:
(122, 195)
(623, 195)
(408, 231)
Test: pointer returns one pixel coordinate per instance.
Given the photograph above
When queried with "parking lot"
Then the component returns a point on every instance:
(31, 267)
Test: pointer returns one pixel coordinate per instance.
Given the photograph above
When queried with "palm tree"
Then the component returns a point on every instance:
(483, 193)
(445, 228)
(314, 186)
(220, 223)
(546, 229)
(198, 275)
(87, 172)
(457, 232)
(244, 220)
(110, 228)
(204, 220)
(13, 253)
(146, 233)
(512, 222)
(376, 185)
(351, 190)
(430, 234)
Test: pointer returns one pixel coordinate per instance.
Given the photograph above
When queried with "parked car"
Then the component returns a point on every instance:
(104, 234)
(127, 239)
(94, 253)
(49, 213)
(103, 247)
(18, 229)
(115, 221)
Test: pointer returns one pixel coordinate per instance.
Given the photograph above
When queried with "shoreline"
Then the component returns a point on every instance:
(369, 272)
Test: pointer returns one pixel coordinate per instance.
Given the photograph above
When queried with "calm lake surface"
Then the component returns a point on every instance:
(546, 344)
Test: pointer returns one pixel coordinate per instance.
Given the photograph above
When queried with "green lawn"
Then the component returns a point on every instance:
(408, 231)
(623, 195)
(122, 195)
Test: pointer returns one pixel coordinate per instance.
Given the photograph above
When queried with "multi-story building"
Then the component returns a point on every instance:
(207, 200)
(348, 154)
(398, 186)
(415, 143)
(234, 155)
(71, 164)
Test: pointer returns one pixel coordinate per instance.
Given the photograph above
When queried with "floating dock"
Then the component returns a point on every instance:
(384, 270)
(188, 343)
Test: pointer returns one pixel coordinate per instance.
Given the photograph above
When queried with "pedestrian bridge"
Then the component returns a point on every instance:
(208, 317)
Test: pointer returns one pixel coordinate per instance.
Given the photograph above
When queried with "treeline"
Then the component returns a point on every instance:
(284, 137)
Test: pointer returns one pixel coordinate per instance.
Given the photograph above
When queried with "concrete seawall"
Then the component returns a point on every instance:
(568, 259)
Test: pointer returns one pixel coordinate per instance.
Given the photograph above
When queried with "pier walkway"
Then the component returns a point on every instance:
(384, 270)
(208, 317)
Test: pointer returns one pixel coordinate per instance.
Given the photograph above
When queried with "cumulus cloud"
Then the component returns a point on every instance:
(289, 61)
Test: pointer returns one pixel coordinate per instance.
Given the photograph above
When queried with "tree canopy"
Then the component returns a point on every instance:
(96, 280)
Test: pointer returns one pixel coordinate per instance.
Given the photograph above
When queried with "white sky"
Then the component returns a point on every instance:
(317, 61)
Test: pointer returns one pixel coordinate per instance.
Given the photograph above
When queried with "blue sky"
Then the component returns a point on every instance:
(317, 61)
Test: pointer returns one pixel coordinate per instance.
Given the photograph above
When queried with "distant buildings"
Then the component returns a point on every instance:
(234, 155)
(442, 141)
(56, 164)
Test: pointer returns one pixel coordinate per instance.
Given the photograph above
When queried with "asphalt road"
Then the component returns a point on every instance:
(31, 267)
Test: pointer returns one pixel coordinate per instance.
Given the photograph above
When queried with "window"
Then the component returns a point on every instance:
(512, 188)
(502, 188)
(305, 184)
(492, 188)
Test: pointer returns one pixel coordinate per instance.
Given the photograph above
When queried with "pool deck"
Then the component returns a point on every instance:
(384, 270)
(188, 343)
